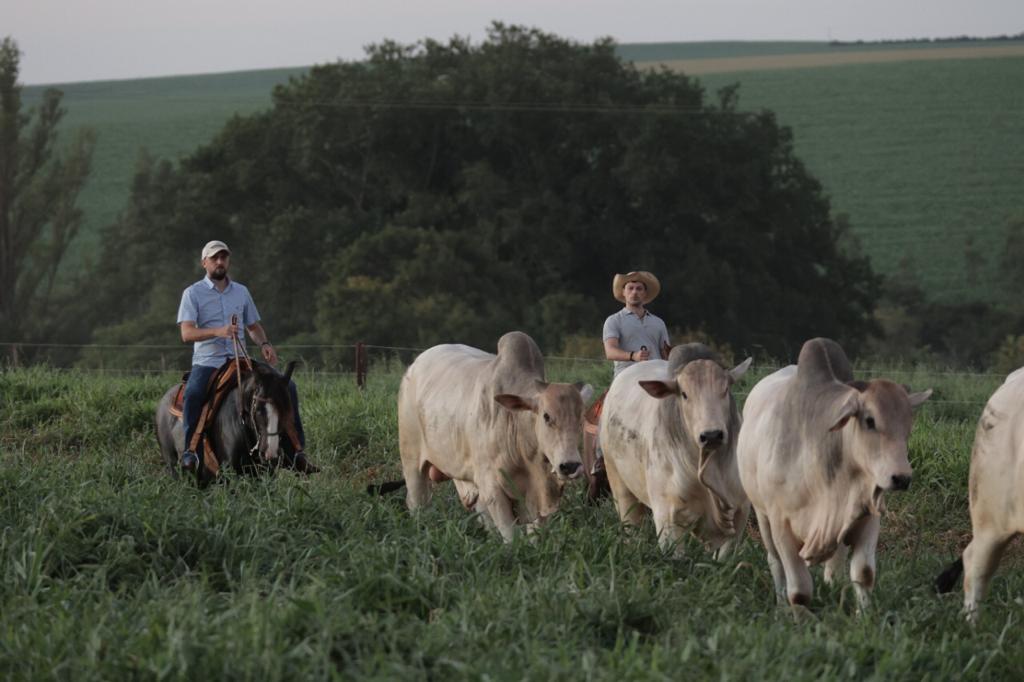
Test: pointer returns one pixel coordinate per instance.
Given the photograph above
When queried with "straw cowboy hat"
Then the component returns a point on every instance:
(649, 280)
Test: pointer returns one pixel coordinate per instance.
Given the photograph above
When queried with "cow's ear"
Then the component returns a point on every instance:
(586, 391)
(917, 399)
(847, 406)
(660, 389)
(515, 403)
(737, 372)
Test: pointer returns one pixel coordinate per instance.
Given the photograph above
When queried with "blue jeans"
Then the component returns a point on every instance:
(195, 392)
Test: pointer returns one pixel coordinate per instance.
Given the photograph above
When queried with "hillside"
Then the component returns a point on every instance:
(920, 152)
(169, 117)
(922, 156)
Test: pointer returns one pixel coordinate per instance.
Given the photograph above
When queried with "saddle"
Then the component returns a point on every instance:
(597, 478)
(221, 382)
(592, 417)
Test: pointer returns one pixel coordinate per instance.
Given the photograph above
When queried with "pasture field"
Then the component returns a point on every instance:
(921, 155)
(112, 569)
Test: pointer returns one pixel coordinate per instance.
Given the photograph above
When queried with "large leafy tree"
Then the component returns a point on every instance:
(452, 191)
(39, 184)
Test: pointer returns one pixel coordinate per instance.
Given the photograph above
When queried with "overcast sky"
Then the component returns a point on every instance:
(75, 40)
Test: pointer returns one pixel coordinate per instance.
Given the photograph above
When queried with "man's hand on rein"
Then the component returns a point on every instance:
(269, 354)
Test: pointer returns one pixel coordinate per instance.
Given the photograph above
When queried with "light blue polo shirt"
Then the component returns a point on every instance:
(634, 332)
(207, 307)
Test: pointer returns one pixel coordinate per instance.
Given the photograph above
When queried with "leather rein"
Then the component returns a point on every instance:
(239, 349)
(256, 400)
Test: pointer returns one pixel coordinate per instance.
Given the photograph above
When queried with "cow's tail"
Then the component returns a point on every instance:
(947, 580)
(384, 488)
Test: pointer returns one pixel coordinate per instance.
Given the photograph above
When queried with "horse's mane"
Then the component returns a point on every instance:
(272, 385)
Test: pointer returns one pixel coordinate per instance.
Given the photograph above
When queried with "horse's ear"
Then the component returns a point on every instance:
(289, 369)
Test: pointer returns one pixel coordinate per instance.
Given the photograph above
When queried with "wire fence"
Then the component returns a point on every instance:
(353, 360)
(184, 351)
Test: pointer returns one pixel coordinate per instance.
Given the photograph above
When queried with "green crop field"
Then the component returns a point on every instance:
(719, 49)
(923, 156)
(168, 117)
(112, 569)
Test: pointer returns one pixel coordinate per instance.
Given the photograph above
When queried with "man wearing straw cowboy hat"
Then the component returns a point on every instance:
(634, 334)
(205, 317)
(631, 335)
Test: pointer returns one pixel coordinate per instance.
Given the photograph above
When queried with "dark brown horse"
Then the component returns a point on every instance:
(253, 442)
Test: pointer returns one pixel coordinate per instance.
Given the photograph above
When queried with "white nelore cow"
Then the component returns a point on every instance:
(509, 439)
(996, 491)
(816, 453)
(668, 432)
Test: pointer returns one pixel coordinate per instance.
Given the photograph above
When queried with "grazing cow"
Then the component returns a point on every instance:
(669, 433)
(816, 453)
(996, 491)
(508, 438)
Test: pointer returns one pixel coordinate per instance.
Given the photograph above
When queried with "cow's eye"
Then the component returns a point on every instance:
(683, 393)
(870, 423)
(547, 418)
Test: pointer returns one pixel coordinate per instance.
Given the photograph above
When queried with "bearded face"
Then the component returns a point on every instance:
(216, 266)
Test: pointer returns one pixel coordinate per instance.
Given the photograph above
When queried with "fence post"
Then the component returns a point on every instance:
(361, 364)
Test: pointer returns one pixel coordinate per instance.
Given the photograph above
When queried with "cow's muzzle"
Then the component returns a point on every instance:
(901, 481)
(712, 439)
(570, 469)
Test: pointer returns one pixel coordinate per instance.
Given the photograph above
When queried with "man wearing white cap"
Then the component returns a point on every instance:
(634, 334)
(204, 317)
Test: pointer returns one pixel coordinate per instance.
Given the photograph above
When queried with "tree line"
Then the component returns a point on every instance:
(451, 191)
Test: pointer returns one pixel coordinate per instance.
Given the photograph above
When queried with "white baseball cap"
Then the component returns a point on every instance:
(214, 247)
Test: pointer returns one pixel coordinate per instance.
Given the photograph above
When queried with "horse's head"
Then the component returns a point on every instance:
(269, 406)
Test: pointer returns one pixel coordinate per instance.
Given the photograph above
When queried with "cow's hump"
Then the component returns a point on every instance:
(682, 355)
(822, 362)
(518, 364)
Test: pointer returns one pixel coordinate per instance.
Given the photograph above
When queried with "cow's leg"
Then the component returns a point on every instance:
(411, 448)
(631, 510)
(417, 485)
(980, 561)
(863, 542)
(666, 525)
(835, 565)
(799, 586)
(730, 544)
(469, 495)
(774, 563)
(499, 507)
(417, 482)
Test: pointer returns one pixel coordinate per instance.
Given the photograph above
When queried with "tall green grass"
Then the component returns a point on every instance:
(111, 569)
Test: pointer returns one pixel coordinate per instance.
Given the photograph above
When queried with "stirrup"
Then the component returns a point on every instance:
(189, 460)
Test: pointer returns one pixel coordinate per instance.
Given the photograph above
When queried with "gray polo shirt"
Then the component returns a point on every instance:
(634, 332)
(207, 307)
